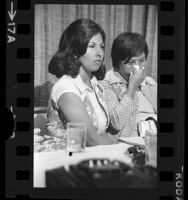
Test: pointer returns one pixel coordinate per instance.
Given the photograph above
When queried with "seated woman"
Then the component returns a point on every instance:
(130, 95)
(77, 96)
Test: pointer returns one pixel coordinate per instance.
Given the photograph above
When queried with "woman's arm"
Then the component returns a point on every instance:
(74, 111)
(120, 110)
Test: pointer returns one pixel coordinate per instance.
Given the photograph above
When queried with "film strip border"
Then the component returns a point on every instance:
(20, 93)
(171, 167)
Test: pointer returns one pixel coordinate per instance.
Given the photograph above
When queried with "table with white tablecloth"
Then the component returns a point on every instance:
(44, 161)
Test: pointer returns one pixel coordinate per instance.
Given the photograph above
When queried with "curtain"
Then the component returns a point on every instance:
(52, 19)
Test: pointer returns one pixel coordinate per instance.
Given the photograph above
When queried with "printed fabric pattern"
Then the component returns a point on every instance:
(122, 108)
(91, 110)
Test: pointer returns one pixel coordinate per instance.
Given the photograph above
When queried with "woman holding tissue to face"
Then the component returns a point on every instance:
(130, 95)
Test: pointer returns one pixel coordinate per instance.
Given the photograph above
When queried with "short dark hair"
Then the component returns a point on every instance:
(126, 46)
(73, 44)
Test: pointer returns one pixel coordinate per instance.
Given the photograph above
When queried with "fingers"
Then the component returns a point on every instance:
(142, 72)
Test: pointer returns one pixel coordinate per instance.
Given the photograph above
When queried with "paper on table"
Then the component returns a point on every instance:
(50, 160)
(133, 140)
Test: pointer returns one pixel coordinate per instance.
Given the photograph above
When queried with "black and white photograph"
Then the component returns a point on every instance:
(95, 96)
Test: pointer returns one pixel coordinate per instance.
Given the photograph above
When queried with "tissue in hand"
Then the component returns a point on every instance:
(136, 67)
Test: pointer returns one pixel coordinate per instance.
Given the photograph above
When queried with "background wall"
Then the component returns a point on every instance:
(51, 20)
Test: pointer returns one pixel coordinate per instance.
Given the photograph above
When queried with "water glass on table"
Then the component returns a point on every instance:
(76, 136)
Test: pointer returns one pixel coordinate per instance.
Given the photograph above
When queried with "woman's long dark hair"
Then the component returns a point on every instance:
(73, 44)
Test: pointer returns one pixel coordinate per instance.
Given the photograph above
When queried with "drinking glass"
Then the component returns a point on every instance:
(76, 136)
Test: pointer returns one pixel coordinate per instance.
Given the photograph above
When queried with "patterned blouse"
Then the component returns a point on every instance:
(124, 110)
(92, 98)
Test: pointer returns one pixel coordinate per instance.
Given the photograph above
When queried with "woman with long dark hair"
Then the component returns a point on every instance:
(77, 96)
